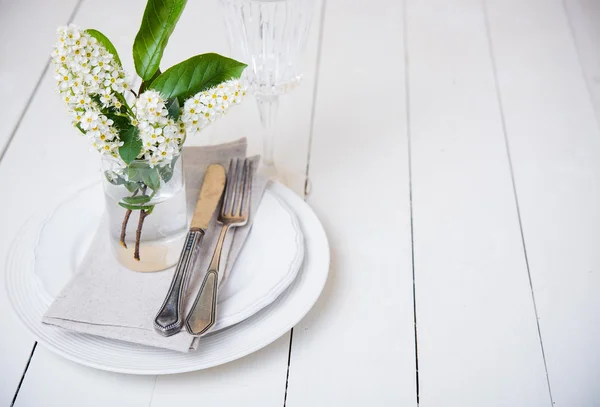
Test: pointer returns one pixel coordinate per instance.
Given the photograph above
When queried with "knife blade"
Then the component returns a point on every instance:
(169, 319)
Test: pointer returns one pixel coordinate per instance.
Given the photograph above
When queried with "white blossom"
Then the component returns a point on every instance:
(161, 140)
(86, 70)
(205, 107)
(92, 85)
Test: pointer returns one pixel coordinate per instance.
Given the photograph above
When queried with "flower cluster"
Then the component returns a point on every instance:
(207, 106)
(160, 135)
(89, 78)
(92, 85)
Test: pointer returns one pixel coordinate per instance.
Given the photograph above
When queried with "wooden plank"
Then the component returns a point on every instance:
(356, 346)
(258, 379)
(54, 381)
(26, 55)
(255, 380)
(56, 159)
(294, 119)
(583, 21)
(266, 371)
(478, 343)
(20, 69)
(555, 148)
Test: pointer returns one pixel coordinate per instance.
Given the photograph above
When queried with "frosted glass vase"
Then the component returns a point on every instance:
(147, 227)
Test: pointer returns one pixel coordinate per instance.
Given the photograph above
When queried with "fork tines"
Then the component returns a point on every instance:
(236, 203)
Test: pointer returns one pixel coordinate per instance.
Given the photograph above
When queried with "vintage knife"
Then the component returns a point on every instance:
(169, 319)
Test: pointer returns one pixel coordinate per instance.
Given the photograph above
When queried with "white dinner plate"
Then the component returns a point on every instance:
(31, 291)
(256, 280)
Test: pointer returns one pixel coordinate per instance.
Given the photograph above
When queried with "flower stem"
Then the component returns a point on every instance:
(138, 234)
(125, 221)
(121, 114)
(124, 228)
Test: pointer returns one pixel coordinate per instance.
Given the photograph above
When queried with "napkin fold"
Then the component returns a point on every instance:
(103, 298)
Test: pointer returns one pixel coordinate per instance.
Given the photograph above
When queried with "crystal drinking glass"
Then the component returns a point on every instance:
(270, 36)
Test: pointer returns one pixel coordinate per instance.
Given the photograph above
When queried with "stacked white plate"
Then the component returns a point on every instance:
(275, 281)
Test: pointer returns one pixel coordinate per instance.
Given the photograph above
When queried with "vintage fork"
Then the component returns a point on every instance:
(234, 213)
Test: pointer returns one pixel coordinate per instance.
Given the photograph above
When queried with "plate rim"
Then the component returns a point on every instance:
(293, 269)
(319, 243)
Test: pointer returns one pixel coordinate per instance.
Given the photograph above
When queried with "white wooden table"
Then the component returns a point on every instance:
(453, 149)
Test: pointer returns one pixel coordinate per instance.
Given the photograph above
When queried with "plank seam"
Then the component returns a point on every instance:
(514, 188)
(314, 101)
(587, 82)
(152, 393)
(410, 194)
(308, 156)
(34, 92)
(287, 377)
(3, 152)
(23, 375)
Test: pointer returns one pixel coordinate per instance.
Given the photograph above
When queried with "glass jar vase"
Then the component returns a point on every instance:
(147, 216)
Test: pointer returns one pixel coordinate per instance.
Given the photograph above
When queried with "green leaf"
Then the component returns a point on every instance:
(133, 175)
(132, 145)
(78, 126)
(119, 118)
(136, 169)
(102, 39)
(124, 105)
(166, 172)
(147, 83)
(97, 101)
(132, 186)
(196, 74)
(173, 108)
(136, 207)
(151, 178)
(136, 200)
(121, 123)
(158, 23)
(140, 171)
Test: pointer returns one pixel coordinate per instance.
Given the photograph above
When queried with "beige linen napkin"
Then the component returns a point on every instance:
(108, 300)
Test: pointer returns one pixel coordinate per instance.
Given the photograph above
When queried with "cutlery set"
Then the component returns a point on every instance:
(235, 209)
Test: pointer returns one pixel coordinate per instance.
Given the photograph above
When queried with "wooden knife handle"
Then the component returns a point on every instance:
(210, 195)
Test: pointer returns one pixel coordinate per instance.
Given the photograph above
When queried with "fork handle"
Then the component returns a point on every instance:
(204, 311)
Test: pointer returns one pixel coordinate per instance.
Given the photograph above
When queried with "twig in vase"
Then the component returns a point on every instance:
(125, 221)
(138, 234)
(124, 227)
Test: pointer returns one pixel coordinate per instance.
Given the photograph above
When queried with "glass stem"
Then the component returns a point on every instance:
(267, 107)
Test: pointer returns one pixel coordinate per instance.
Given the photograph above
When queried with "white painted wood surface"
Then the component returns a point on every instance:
(555, 147)
(40, 388)
(23, 57)
(263, 380)
(26, 28)
(475, 315)
(583, 17)
(356, 347)
(444, 87)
